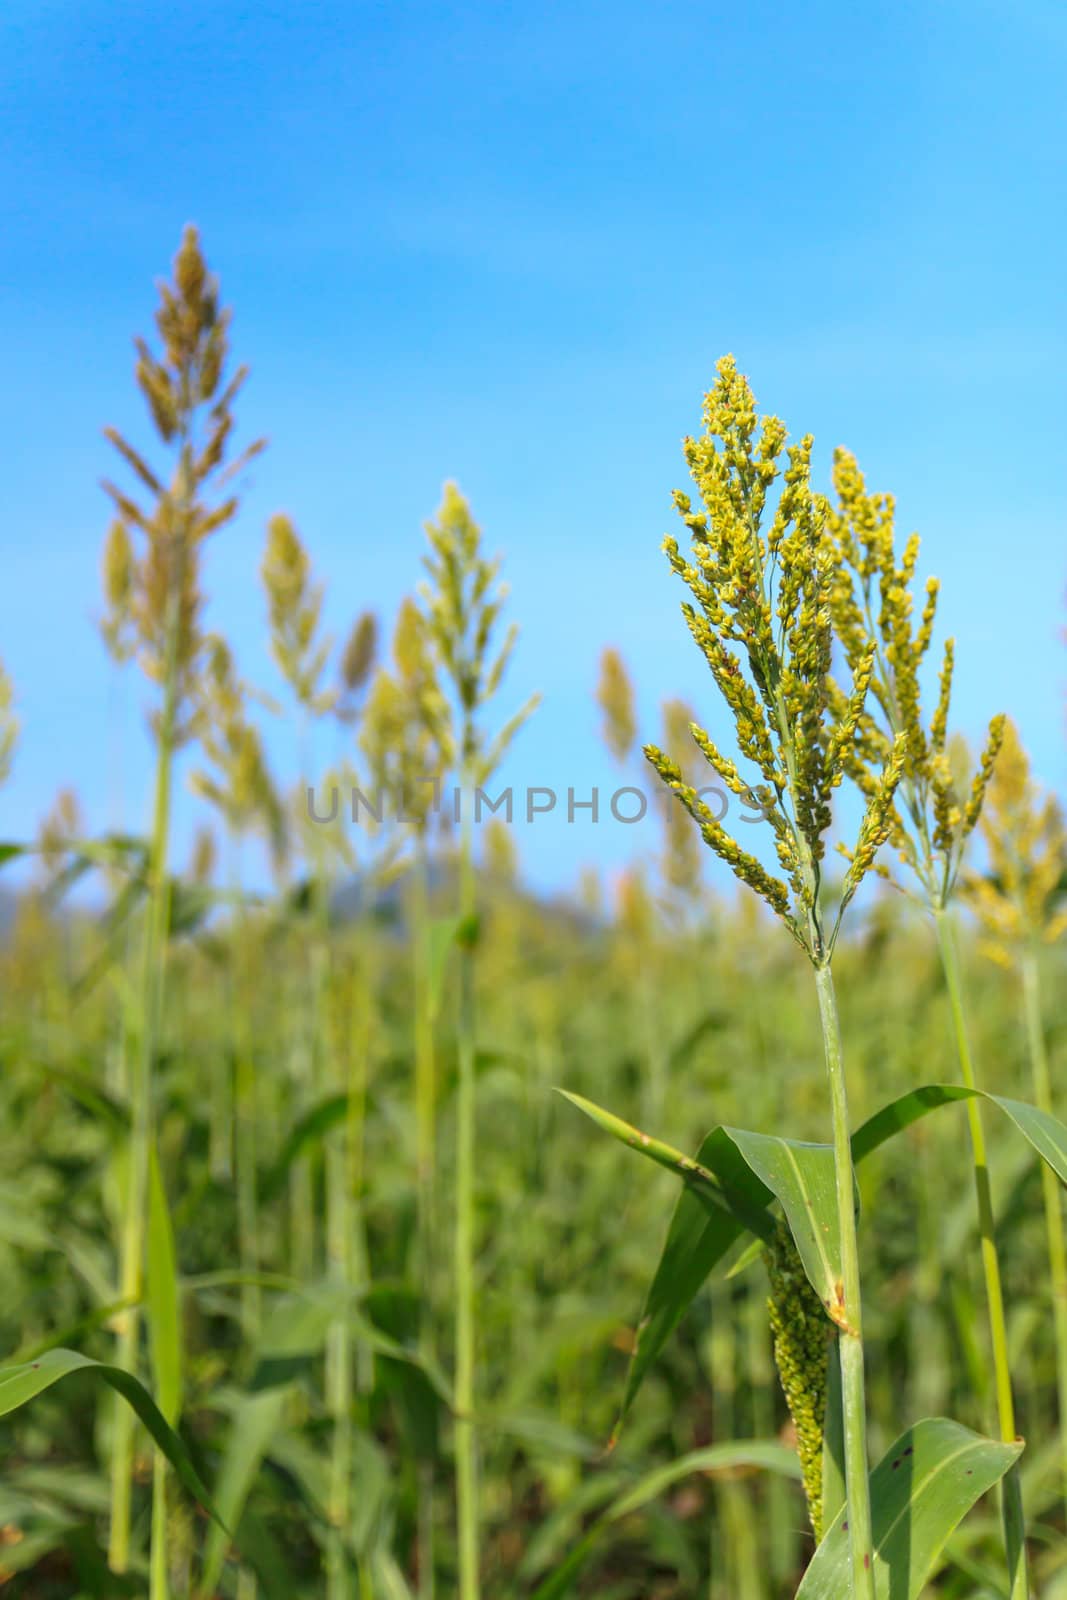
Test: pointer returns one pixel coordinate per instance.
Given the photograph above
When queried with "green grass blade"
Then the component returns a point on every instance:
(256, 1419)
(801, 1177)
(920, 1491)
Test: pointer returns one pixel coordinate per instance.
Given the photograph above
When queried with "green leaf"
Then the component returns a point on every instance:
(294, 1331)
(920, 1490)
(441, 938)
(18, 1384)
(164, 1298)
(728, 1188)
(88, 1094)
(701, 1234)
(256, 1419)
(801, 1177)
(765, 1454)
(1046, 1134)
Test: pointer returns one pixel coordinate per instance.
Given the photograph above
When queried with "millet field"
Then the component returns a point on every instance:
(375, 1228)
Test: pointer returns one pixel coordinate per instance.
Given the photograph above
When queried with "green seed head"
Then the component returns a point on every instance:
(802, 1334)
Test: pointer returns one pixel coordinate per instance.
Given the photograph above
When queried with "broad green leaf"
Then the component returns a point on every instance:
(701, 1234)
(255, 1421)
(1046, 1134)
(920, 1490)
(294, 1330)
(728, 1188)
(801, 1177)
(760, 1454)
(164, 1299)
(18, 1384)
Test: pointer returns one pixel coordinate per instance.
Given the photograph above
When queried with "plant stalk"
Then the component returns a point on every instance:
(848, 1317)
(1057, 1244)
(425, 1160)
(141, 1118)
(244, 1106)
(465, 1441)
(1011, 1488)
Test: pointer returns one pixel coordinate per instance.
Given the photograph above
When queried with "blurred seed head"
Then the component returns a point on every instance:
(295, 605)
(9, 724)
(151, 567)
(615, 697)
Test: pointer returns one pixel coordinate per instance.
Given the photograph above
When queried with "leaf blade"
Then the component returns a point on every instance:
(920, 1491)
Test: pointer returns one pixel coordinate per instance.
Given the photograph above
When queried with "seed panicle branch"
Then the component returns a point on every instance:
(873, 606)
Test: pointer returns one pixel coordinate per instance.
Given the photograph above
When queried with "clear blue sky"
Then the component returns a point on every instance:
(506, 244)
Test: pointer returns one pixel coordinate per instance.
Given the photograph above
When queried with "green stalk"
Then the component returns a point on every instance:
(425, 1157)
(849, 1317)
(244, 1101)
(465, 1442)
(139, 1145)
(338, 1267)
(302, 1175)
(1011, 1488)
(158, 1580)
(1057, 1244)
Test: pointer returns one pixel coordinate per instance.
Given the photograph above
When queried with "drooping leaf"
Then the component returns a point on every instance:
(801, 1177)
(1046, 1134)
(18, 1384)
(728, 1188)
(920, 1490)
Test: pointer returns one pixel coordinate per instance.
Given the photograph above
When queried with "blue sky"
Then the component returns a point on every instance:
(506, 244)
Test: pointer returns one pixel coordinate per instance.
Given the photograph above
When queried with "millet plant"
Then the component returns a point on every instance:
(770, 609)
(463, 599)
